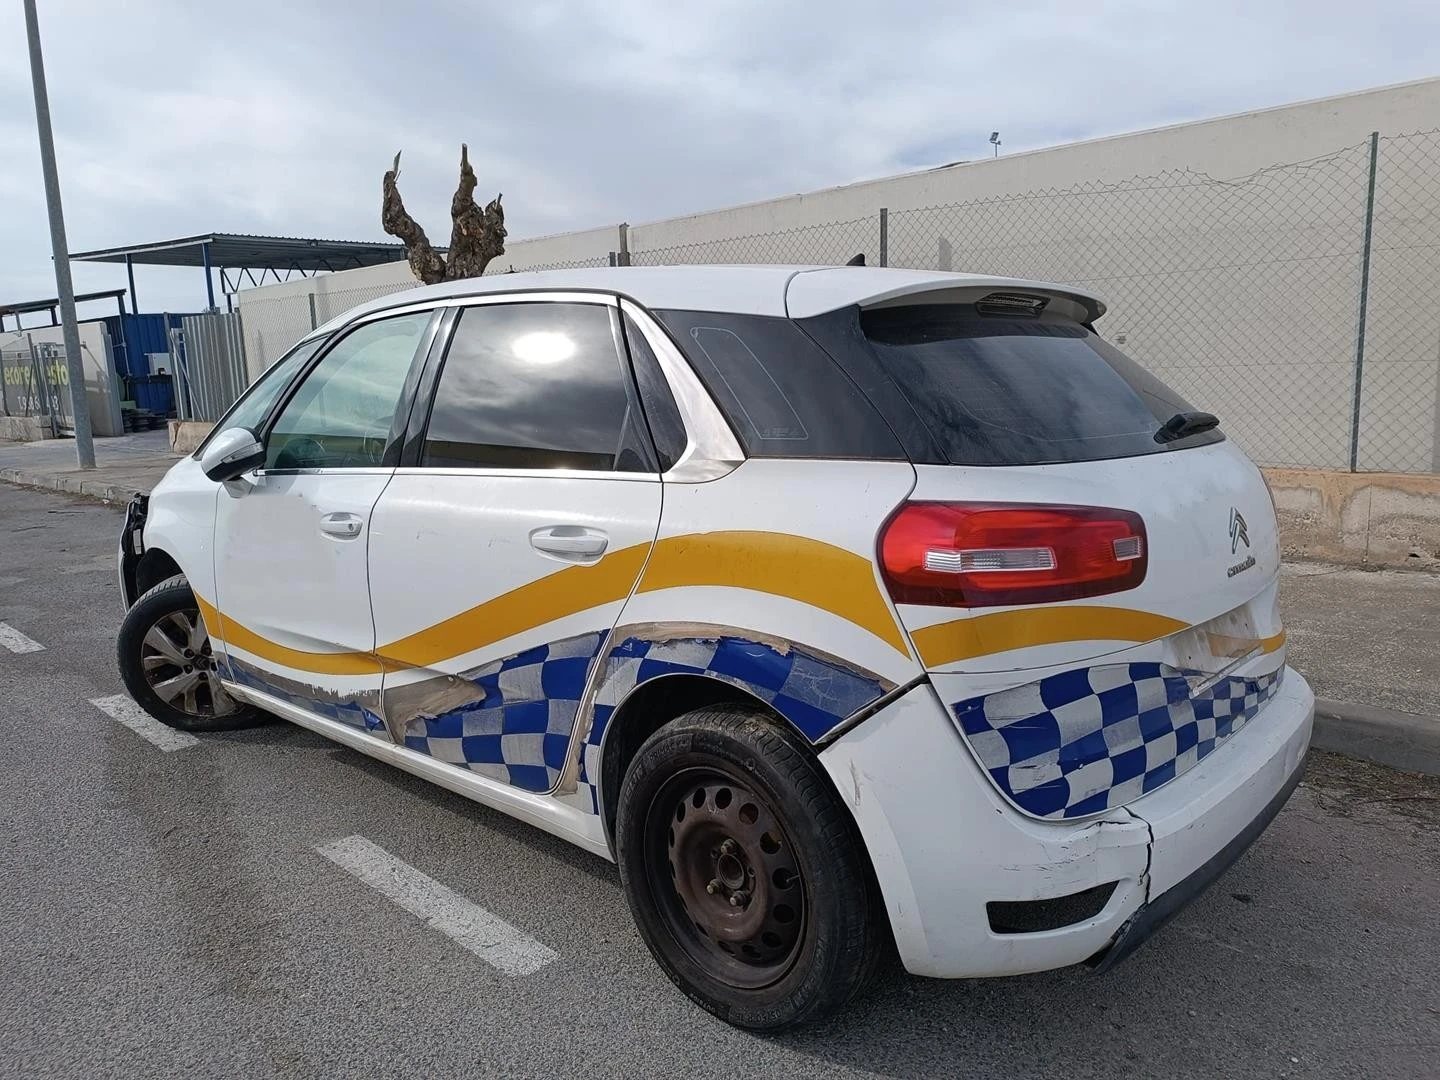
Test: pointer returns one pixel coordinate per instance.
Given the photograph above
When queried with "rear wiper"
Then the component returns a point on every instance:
(1184, 424)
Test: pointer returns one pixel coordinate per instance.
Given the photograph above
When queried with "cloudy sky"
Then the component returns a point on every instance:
(175, 117)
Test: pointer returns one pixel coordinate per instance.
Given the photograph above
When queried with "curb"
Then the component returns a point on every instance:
(1398, 740)
(93, 489)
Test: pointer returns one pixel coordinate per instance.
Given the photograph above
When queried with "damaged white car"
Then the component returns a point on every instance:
(847, 609)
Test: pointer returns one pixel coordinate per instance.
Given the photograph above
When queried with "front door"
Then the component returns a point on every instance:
(290, 546)
(502, 554)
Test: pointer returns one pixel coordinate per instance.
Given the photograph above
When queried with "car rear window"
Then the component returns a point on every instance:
(783, 394)
(1015, 390)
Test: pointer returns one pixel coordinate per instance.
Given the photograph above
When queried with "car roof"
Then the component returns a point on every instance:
(796, 291)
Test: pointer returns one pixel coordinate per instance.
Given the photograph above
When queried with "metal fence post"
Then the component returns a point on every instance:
(1364, 303)
(313, 322)
(884, 236)
(242, 376)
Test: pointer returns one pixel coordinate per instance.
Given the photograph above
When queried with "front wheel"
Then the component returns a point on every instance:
(167, 665)
(744, 872)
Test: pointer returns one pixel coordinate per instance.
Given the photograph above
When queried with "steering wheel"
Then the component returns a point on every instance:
(301, 452)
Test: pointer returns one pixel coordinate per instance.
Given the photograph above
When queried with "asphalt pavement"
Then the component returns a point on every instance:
(170, 912)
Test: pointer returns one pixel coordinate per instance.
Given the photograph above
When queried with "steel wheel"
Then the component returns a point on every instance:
(176, 659)
(726, 877)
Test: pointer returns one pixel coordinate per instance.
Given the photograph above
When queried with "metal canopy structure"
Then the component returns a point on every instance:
(244, 256)
(52, 305)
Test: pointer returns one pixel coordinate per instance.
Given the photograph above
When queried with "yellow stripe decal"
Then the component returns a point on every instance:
(340, 663)
(568, 592)
(964, 639)
(1225, 645)
(815, 573)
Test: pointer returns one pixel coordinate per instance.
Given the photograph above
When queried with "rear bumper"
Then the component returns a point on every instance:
(1170, 903)
(944, 842)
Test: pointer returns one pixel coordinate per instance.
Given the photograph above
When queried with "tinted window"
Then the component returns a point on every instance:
(254, 405)
(536, 386)
(999, 390)
(667, 429)
(343, 413)
(780, 391)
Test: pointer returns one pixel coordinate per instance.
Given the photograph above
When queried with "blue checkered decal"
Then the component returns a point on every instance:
(1089, 740)
(519, 731)
(813, 693)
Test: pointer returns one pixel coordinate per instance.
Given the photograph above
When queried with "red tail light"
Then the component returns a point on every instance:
(989, 554)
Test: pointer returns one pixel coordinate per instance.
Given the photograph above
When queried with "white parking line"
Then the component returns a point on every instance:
(15, 641)
(120, 708)
(488, 936)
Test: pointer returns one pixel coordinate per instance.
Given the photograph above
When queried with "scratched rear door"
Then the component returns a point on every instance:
(505, 546)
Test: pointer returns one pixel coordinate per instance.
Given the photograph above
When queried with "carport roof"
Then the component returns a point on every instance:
(242, 251)
(50, 303)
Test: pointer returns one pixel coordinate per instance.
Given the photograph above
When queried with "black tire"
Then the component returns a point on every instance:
(808, 930)
(170, 609)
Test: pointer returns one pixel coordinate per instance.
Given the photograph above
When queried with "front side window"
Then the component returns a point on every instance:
(254, 405)
(343, 414)
(537, 386)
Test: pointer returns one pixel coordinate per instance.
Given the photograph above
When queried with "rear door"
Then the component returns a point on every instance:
(505, 546)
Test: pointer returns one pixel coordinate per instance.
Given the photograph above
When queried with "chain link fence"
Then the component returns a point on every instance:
(503, 265)
(1240, 294)
(1298, 303)
(830, 244)
(1398, 425)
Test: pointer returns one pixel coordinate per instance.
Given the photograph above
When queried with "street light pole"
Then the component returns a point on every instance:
(79, 407)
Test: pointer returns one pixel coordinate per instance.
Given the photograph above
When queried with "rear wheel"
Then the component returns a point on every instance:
(744, 872)
(167, 663)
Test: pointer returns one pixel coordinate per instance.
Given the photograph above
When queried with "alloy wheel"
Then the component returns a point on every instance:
(179, 667)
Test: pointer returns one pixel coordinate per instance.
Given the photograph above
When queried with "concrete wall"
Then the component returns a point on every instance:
(1376, 519)
(187, 435)
(1229, 251)
(1223, 147)
(25, 428)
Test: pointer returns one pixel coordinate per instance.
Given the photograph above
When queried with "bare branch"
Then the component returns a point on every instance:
(477, 236)
(425, 262)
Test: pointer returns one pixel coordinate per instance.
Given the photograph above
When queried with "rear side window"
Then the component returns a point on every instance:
(537, 386)
(667, 429)
(1006, 390)
(783, 395)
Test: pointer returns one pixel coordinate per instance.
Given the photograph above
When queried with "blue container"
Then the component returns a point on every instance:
(154, 392)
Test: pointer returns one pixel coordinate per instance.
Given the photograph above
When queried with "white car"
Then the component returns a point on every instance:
(849, 610)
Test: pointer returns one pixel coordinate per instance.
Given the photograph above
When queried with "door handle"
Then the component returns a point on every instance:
(344, 526)
(570, 541)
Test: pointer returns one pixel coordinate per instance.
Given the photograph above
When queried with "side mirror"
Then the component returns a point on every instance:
(231, 454)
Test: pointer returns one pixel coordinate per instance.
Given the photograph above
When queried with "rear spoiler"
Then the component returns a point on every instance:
(814, 292)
